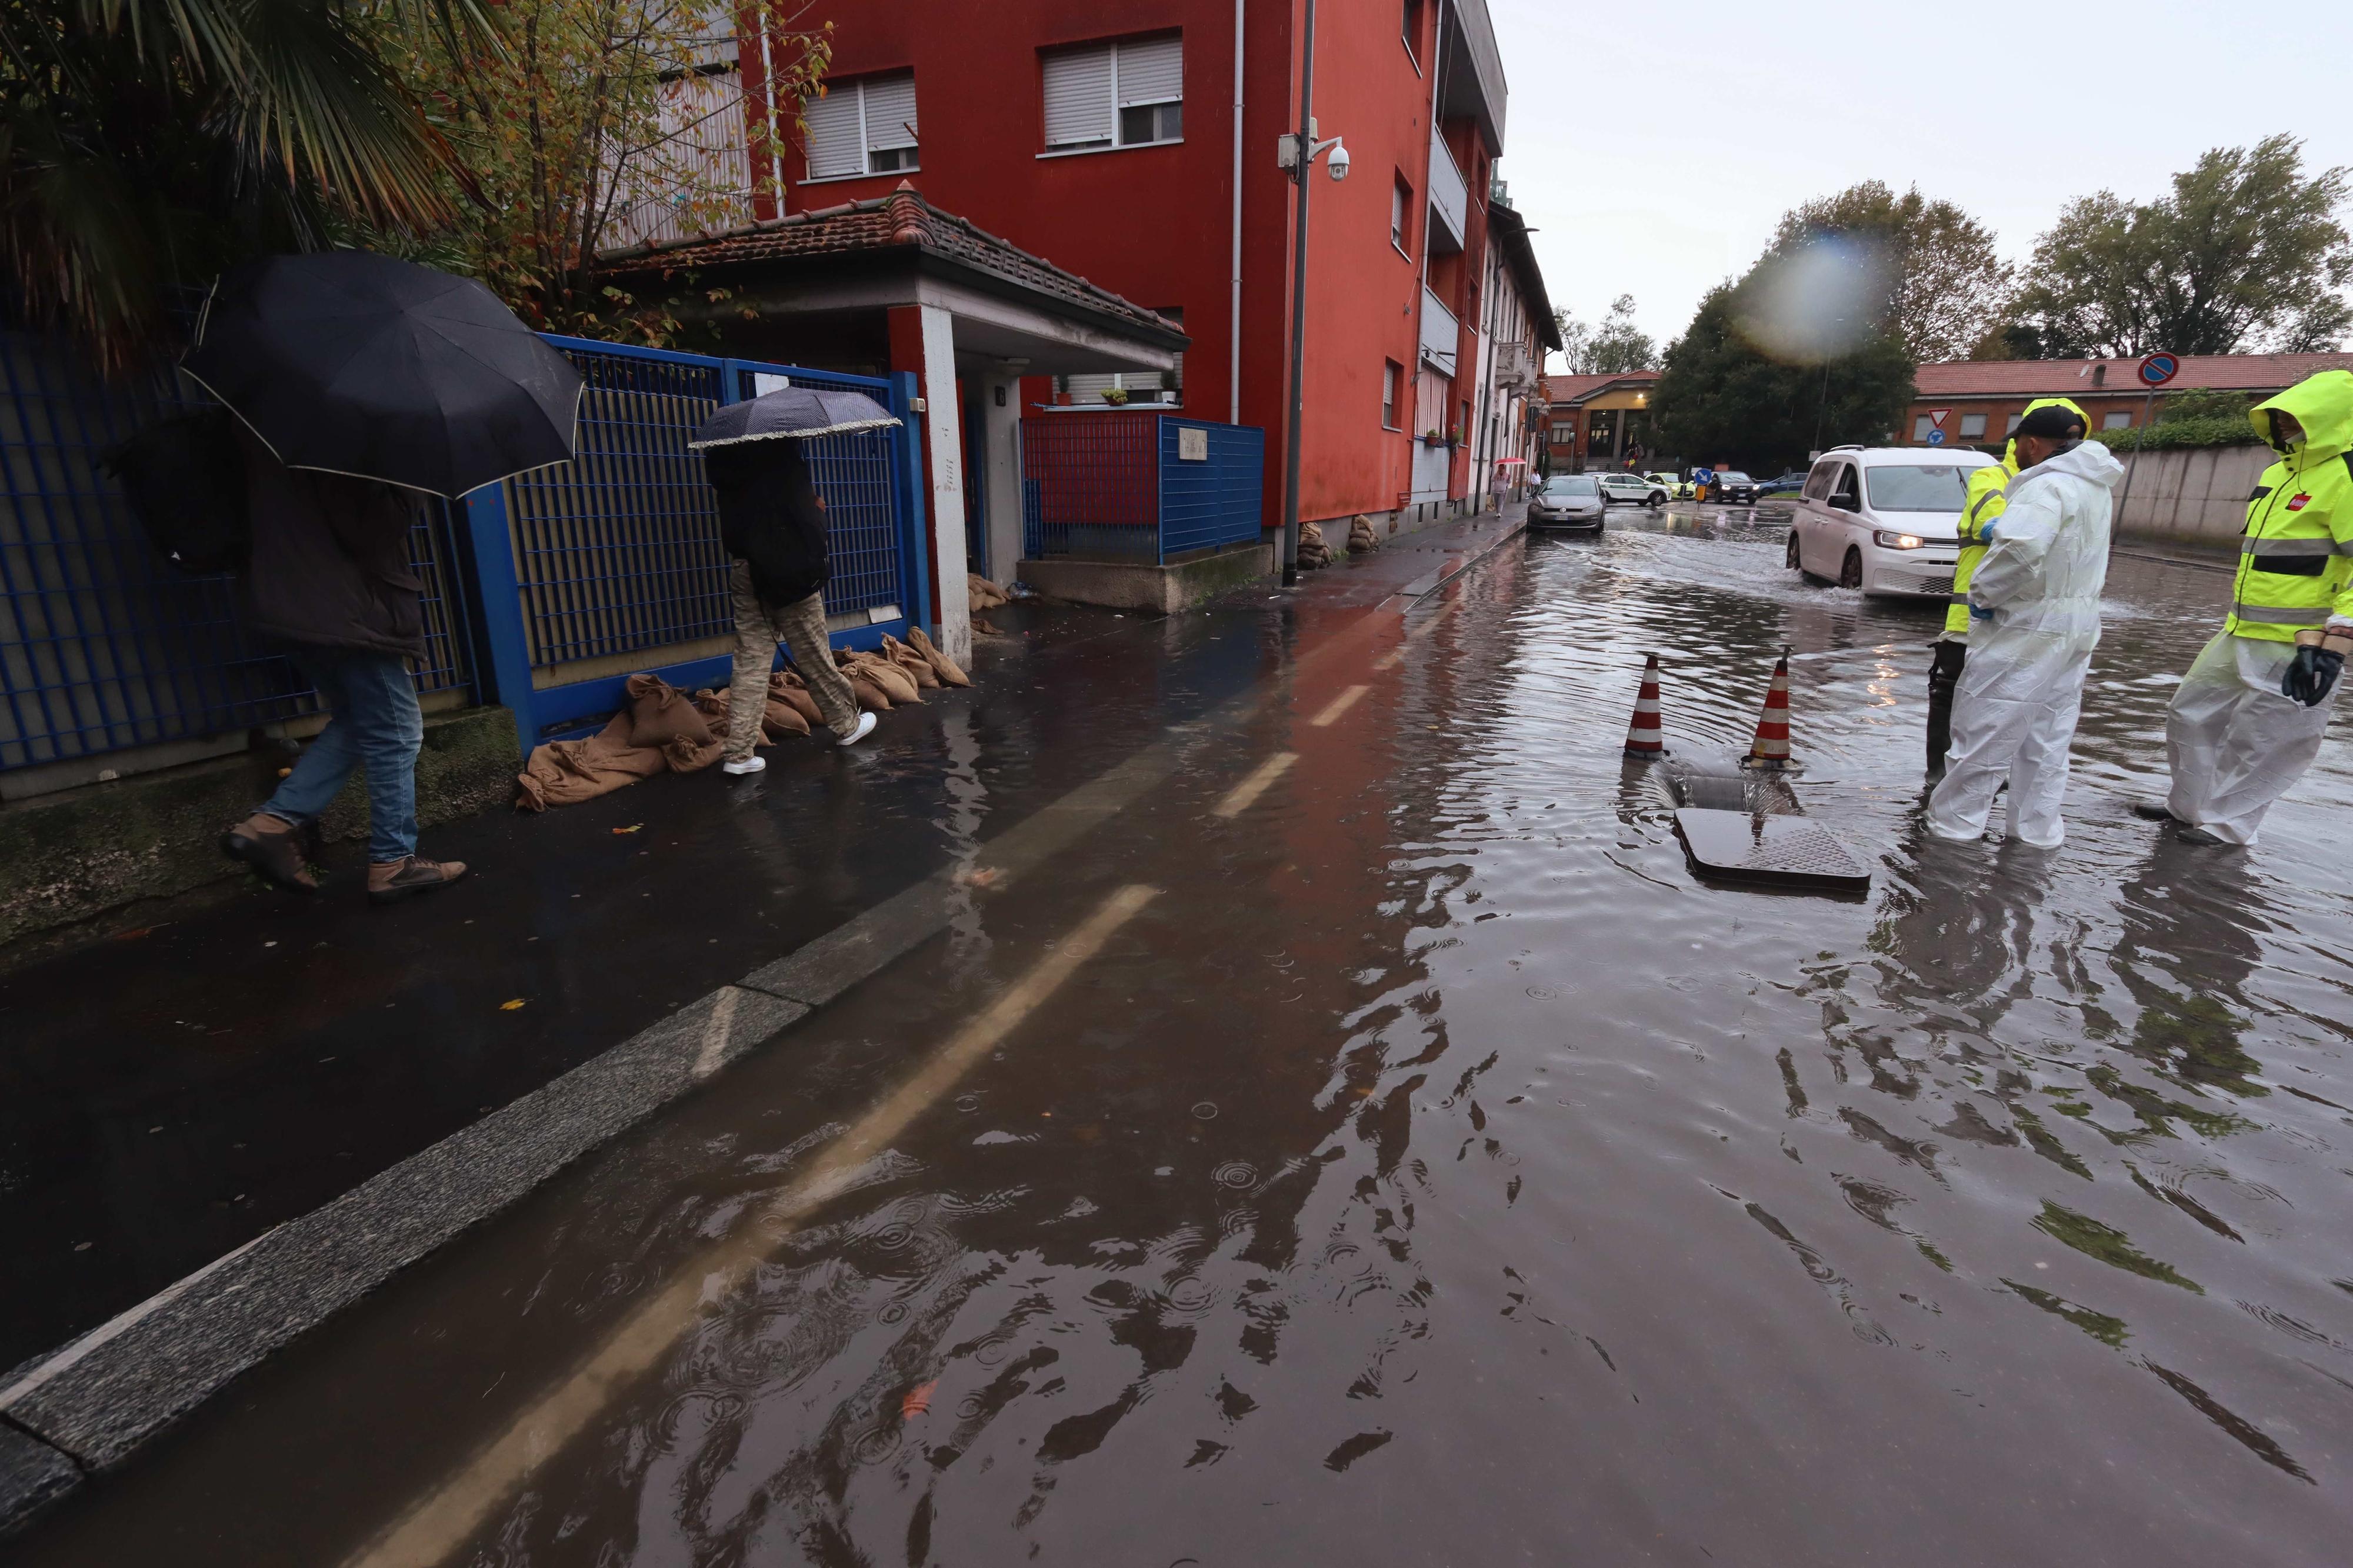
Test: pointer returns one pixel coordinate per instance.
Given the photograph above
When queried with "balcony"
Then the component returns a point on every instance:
(1515, 365)
(1449, 201)
(1440, 335)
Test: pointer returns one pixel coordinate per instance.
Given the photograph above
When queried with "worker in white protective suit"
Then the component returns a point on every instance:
(2035, 604)
(2248, 718)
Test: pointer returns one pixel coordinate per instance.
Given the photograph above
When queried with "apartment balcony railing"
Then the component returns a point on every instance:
(1440, 333)
(1449, 201)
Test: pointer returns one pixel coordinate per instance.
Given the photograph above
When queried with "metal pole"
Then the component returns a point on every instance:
(1301, 167)
(1234, 304)
(2140, 440)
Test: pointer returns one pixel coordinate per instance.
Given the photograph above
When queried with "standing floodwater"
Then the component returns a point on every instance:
(1392, 1155)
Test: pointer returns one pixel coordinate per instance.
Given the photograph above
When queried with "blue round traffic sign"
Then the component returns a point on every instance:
(2159, 368)
(1935, 438)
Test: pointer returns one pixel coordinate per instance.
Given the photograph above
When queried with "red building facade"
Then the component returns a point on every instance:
(1102, 135)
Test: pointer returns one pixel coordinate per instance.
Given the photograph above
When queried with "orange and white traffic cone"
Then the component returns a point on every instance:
(1643, 736)
(1771, 747)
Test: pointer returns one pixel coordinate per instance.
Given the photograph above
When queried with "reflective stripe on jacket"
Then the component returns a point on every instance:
(2296, 558)
(1985, 503)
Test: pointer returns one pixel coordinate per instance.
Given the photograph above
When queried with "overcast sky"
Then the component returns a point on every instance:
(1654, 146)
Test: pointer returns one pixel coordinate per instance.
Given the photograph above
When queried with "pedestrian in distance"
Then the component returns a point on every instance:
(2247, 719)
(1980, 510)
(772, 522)
(329, 577)
(2035, 606)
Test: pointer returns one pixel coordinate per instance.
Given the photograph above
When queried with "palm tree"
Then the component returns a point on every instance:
(146, 143)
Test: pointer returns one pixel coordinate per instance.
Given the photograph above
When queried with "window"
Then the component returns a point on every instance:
(1157, 388)
(1392, 373)
(1400, 204)
(1919, 486)
(1818, 483)
(1973, 426)
(1411, 29)
(865, 126)
(2011, 428)
(2119, 420)
(1920, 428)
(1127, 95)
(1845, 495)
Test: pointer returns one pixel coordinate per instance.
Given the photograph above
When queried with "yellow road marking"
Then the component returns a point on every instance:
(1240, 798)
(1337, 706)
(444, 1521)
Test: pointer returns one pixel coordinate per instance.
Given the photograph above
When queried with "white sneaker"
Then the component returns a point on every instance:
(859, 732)
(743, 765)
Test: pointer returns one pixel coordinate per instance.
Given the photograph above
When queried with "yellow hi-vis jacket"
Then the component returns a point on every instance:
(1986, 497)
(2295, 561)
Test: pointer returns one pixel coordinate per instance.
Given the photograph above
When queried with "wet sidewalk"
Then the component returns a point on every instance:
(171, 1092)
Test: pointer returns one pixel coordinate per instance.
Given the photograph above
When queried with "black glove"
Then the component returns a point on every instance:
(2309, 678)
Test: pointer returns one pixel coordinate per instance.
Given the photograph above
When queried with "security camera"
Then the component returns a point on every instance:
(1339, 161)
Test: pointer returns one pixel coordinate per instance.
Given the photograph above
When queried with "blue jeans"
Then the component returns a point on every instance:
(374, 725)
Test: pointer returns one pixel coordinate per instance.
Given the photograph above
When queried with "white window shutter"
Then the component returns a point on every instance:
(1152, 72)
(834, 148)
(1078, 96)
(890, 113)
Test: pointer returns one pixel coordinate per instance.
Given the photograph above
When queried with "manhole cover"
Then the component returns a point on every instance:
(1778, 851)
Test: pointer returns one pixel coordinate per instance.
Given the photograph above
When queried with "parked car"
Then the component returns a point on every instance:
(1789, 484)
(1678, 489)
(1731, 484)
(1885, 519)
(1639, 489)
(1568, 501)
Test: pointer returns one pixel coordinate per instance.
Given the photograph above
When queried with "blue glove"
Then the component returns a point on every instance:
(1978, 613)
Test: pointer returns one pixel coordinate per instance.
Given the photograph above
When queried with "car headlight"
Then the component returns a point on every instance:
(1888, 541)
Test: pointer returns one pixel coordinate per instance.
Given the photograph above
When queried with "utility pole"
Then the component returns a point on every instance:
(1302, 163)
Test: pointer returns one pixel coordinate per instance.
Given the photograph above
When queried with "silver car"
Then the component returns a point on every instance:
(1639, 489)
(1568, 501)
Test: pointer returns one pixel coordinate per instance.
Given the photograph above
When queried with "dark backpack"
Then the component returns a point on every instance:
(185, 479)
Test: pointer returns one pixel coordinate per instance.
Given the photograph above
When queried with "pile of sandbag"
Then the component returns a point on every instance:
(986, 595)
(661, 730)
(1361, 538)
(1312, 551)
(900, 673)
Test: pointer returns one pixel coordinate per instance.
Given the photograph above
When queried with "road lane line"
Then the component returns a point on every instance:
(444, 1521)
(1240, 798)
(713, 1055)
(1337, 706)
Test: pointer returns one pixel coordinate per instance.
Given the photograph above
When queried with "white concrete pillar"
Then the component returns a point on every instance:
(1000, 427)
(942, 424)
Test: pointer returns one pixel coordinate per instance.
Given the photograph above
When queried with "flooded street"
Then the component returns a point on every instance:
(1368, 1143)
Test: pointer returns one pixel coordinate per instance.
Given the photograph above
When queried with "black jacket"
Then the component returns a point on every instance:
(330, 563)
(769, 516)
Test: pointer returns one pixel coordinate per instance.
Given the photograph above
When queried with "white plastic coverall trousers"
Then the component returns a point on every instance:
(2014, 712)
(2236, 744)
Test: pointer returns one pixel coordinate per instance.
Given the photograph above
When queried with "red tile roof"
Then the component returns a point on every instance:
(1577, 388)
(902, 219)
(2067, 377)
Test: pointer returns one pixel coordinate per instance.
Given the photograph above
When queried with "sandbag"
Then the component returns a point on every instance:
(786, 688)
(661, 714)
(946, 668)
(871, 697)
(783, 719)
(984, 593)
(896, 683)
(911, 661)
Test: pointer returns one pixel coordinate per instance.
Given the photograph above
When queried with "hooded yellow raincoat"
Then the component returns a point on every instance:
(2295, 560)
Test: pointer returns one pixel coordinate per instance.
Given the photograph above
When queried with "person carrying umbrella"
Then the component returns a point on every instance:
(360, 380)
(773, 523)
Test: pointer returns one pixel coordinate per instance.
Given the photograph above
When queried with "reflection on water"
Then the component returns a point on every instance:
(1436, 1173)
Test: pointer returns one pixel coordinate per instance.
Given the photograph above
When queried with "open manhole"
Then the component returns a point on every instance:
(1769, 851)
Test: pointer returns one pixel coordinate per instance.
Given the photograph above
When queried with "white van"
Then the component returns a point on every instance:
(1885, 519)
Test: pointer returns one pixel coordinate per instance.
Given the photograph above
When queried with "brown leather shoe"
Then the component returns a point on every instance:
(391, 881)
(273, 849)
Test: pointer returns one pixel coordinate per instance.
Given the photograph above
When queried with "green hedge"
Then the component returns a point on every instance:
(2173, 433)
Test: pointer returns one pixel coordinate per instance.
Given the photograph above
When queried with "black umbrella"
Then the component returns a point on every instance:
(357, 363)
(795, 410)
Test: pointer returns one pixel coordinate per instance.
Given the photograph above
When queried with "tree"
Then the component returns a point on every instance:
(1721, 398)
(2245, 254)
(601, 123)
(144, 144)
(1947, 283)
(1619, 346)
(1575, 342)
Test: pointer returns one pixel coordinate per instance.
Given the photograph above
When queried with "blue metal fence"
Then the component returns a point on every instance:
(542, 594)
(1153, 487)
(105, 645)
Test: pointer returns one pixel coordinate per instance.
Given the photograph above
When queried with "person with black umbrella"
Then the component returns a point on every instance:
(773, 525)
(362, 383)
